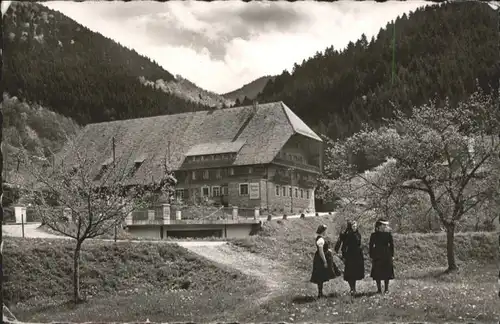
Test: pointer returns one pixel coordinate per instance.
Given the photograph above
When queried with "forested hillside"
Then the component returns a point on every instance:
(440, 51)
(55, 62)
(32, 130)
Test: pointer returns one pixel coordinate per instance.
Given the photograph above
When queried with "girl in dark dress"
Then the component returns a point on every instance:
(323, 267)
(350, 241)
(382, 252)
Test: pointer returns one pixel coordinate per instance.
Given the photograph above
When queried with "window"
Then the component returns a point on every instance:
(206, 174)
(277, 190)
(179, 193)
(215, 191)
(301, 193)
(307, 194)
(218, 174)
(283, 191)
(290, 193)
(231, 171)
(296, 193)
(224, 190)
(193, 175)
(243, 189)
(205, 191)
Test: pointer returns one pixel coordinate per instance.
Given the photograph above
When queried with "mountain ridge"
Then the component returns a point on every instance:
(54, 61)
(441, 52)
(249, 90)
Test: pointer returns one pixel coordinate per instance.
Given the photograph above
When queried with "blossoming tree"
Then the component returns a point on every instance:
(449, 154)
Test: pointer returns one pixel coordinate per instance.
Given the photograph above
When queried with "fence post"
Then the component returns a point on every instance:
(256, 213)
(20, 213)
(166, 213)
(151, 215)
(129, 219)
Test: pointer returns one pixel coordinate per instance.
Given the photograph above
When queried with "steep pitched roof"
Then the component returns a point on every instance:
(298, 125)
(256, 135)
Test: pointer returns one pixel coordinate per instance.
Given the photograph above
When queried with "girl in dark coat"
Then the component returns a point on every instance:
(323, 267)
(350, 241)
(382, 252)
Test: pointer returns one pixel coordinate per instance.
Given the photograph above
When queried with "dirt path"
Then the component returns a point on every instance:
(275, 276)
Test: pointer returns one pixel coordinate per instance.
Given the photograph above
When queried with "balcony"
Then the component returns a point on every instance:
(206, 164)
(297, 165)
(281, 179)
(307, 183)
(194, 215)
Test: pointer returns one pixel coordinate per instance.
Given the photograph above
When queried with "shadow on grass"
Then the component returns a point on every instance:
(311, 299)
(304, 299)
(365, 294)
(440, 274)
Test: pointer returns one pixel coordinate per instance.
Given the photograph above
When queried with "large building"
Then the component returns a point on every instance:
(254, 156)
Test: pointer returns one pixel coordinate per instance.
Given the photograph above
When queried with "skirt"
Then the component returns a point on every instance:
(382, 269)
(321, 274)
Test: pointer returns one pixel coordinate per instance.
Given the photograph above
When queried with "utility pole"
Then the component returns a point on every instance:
(113, 145)
(291, 190)
(168, 154)
(393, 52)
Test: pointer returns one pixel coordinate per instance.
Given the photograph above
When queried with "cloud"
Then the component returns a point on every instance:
(223, 45)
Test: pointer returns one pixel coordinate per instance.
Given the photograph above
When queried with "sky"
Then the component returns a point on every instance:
(223, 45)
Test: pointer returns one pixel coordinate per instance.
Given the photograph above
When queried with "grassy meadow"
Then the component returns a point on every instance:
(131, 282)
(420, 292)
(121, 282)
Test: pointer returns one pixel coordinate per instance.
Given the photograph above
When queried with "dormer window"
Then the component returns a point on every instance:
(137, 164)
(104, 168)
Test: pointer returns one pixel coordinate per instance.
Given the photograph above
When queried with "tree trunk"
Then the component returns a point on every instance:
(76, 273)
(450, 247)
